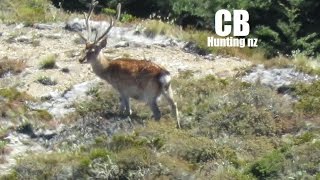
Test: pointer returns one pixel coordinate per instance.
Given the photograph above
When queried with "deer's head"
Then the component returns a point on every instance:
(93, 48)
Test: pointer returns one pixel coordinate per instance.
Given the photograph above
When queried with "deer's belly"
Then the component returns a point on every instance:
(135, 93)
(132, 92)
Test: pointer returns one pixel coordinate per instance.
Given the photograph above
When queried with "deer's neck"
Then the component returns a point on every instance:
(100, 65)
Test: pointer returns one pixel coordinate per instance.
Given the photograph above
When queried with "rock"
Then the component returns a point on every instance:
(53, 36)
(191, 47)
(59, 104)
(65, 70)
(75, 25)
(19, 26)
(43, 26)
(26, 129)
(24, 39)
(279, 79)
(209, 57)
(122, 44)
(285, 89)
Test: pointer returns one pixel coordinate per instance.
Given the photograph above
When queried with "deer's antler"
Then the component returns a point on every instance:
(87, 17)
(111, 24)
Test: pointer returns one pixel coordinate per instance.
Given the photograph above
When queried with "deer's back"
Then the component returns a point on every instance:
(139, 79)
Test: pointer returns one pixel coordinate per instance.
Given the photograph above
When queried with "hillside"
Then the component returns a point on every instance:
(240, 119)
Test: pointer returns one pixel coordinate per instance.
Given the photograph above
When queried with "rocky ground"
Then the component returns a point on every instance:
(74, 80)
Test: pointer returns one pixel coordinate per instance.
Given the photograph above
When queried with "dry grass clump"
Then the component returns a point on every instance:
(11, 66)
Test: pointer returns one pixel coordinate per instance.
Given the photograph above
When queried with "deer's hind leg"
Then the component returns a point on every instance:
(168, 95)
(154, 108)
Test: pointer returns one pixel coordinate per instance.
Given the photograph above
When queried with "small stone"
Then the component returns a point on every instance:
(122, 44)
(65, 70)
(43, 26)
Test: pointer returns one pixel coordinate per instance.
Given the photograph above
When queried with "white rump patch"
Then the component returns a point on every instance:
(165, 79)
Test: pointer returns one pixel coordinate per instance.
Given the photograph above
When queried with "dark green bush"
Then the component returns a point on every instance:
(309, 98)
(269, 167)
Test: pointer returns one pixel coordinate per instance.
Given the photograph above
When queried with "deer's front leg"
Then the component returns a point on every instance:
(125, 105)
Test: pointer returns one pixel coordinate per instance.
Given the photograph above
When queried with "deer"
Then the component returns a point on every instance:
(138, 79)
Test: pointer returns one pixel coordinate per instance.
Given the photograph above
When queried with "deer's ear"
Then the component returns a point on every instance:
(103, 43)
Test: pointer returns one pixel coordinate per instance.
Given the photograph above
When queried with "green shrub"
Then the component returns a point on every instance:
(269, 167)
(304, 138)
(230, 107)
(44, 166)
(121, 142)
(101, 141)
(302, 160)
(102, 101)
(127, 18)
(199, 154)
(231, 173)
(309, 98)
(305, 64)
(135, 158)
(99, 153)
(108, 11)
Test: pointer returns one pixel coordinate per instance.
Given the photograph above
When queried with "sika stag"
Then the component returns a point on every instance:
(138, 79)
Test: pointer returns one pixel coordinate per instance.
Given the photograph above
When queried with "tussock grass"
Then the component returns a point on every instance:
(48, 62)
(11, 66)
(47, 81)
